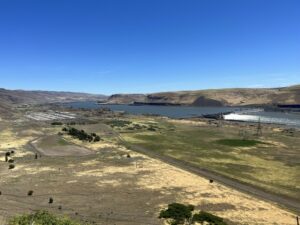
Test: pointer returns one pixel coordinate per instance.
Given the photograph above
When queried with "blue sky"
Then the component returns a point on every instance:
(134, 46)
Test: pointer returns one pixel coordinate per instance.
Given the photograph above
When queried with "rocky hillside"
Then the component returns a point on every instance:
(11, 98)
(126, 98)
(217, 97)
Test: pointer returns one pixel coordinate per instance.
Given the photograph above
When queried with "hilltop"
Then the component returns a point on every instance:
(216, 97)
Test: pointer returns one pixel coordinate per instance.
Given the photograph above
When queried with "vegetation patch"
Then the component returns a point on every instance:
(41, 218)
(118, 123)
(81, 134)
(238, 142)
(56, 123)
(177, 214)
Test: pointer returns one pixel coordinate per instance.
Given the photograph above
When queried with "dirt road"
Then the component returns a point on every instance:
(282, 201)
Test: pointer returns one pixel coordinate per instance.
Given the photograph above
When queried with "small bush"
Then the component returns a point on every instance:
(97, 138)
(11, 161)
(57, 123)
(151, 129)
(30, 193)
(11, 166)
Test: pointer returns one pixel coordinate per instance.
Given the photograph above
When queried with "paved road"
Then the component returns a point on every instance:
(285, 202)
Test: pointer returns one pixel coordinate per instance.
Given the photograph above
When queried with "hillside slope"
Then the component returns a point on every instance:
(217, 97)
(11, 98)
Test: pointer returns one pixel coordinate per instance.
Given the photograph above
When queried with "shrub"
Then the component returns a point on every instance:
(30, 193)
(11, 161)
(11, 166)
(56, 123)
(177, 213)
(118, 123)
(65, 129)
(41, 218)
(51, 200)
(151, 129)
(97, 138)
(203, 217)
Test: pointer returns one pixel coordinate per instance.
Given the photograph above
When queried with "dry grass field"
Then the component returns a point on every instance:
(270, 161)
(107, 186)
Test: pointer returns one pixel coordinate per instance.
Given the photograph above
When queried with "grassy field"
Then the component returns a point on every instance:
(271, 161)
(108, 187)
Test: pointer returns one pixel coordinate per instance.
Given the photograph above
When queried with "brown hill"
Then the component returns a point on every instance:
(11, 98)
(217, 97)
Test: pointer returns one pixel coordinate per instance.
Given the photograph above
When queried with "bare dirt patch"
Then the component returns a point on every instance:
(55, 145)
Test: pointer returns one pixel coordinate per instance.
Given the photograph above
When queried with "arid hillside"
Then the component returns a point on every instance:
(11, 98)
(217, 97)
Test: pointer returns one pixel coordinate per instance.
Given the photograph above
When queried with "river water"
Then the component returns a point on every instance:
(236, 113)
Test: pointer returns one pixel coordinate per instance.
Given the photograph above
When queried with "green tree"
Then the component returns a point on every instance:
(177, 213)
(207, 218)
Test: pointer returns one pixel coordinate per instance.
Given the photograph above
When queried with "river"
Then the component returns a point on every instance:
(235, 113)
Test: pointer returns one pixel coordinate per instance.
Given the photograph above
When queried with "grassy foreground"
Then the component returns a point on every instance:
(271, 162)
(41, 218)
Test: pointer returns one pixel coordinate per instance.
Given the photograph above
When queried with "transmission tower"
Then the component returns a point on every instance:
(259, 128)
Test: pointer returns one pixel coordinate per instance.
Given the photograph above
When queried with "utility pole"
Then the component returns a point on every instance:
(259, 128)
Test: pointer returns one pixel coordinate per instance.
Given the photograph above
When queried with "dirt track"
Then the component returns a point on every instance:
(282, 201)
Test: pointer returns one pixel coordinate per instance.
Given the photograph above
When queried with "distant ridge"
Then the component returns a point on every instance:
(11, 98)
(215, 97)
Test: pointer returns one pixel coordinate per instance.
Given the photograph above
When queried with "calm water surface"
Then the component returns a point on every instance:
(238, 114)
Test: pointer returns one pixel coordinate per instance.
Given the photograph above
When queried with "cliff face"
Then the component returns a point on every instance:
(217, 97)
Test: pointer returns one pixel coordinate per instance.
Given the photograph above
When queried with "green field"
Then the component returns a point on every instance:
(271, 161)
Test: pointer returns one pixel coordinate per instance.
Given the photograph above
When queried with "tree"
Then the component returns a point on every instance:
(207, 218)
(177, 213)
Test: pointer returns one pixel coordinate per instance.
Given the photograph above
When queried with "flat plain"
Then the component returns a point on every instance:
(115, 185)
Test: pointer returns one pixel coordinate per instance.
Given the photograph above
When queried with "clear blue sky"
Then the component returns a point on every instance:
(126, 46)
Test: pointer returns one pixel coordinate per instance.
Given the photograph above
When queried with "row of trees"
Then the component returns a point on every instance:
(81, 134)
